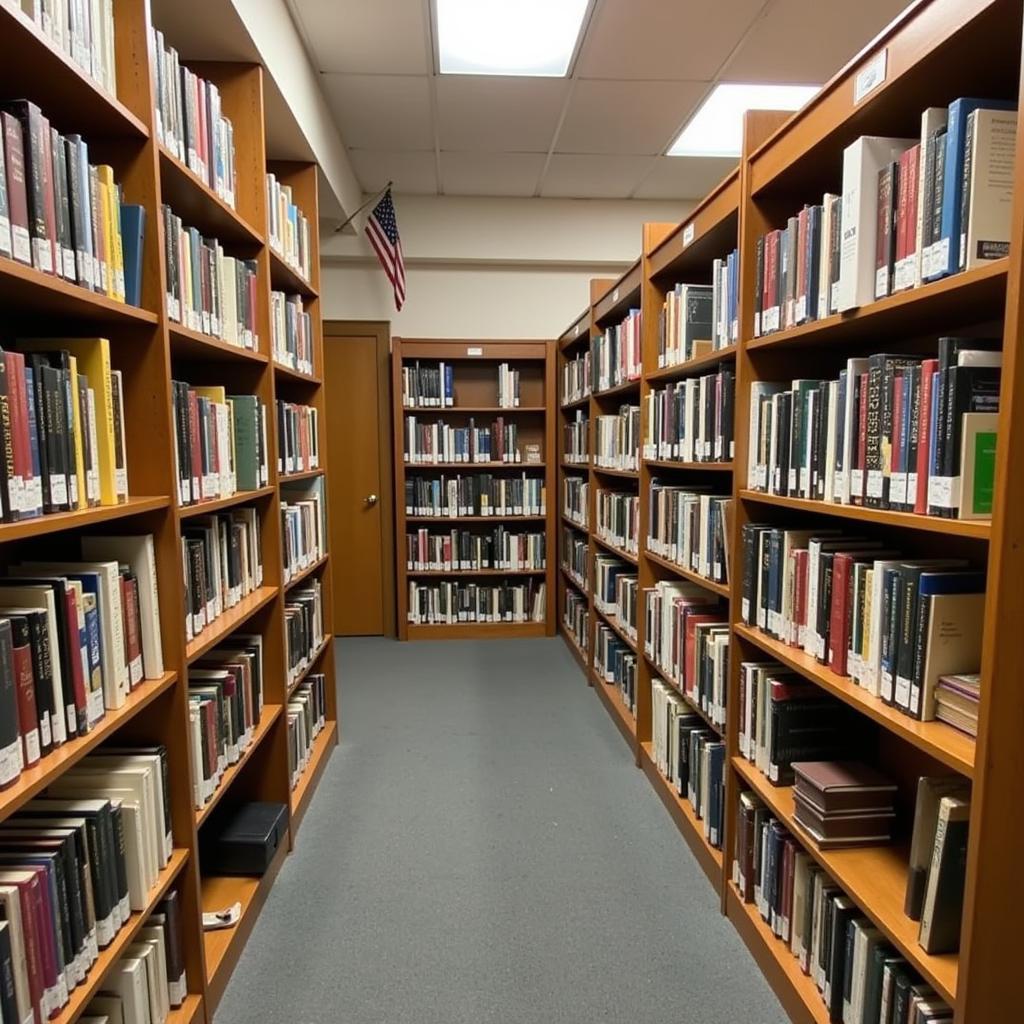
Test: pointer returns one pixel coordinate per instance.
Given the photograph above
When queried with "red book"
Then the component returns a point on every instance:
(788, 866)
(799, 596)
(838, 630)
(902, 186)
(25, 687)
(75, 659)
(862, 438)
(17, 397)
(27, 882)
(928, 367)
(17, 196)
(132, 632)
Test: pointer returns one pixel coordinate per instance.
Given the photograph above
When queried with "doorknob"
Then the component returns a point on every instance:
(370, 499)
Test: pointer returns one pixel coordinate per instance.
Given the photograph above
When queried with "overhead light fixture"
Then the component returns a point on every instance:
(508, 37)
(717, 127)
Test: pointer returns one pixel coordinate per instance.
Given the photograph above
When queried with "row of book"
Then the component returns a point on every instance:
(289, 231)
(576, 618)
(698, 319)
(859, 975)
(454, 550)
(691, 758)
(190, 123)
(617, 515)
(686, 635)
(84, 31)
(77, 864)
(223, 563)
(291, 332)
(911, 210)
(220, 442)
(450, 603)
(575, 500)
(617, 439)
(576, 378)
(576, 557)
(440, 442)
(692, 420)
(304, 626)
(576, 437)
(75, 638)
(63, 428)
(690, 528)
(894, 625)
(477, 494)
(616, 664)
(307, 719)
(298, 437)
(303, 525)
(429, 385)
(207, 290)
(63, 215)
(615, 354)
(616, 591)
(894, 432)
(225, 704)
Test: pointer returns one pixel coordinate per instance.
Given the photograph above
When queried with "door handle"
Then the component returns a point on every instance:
(370, 499)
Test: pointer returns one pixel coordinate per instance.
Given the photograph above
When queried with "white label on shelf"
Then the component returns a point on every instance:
(875, 478)
(688, 233)
(870, 77)
(474, 351)
(578, 328)
(615, 295)
(856, 483)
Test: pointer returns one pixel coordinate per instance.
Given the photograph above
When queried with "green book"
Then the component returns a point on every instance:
(246, 415)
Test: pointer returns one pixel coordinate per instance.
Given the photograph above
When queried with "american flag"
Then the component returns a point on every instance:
(382, 231)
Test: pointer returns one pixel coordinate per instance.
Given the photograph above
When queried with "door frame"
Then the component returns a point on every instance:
(381, 330)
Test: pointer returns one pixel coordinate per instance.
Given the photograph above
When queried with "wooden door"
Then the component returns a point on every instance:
(359, 453)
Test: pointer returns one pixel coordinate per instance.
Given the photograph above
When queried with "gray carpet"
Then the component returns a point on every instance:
(481, 848)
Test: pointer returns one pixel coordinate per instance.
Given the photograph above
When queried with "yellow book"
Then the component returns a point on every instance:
(865, 639)
(93, 360)
(104, 192)
(79, 496)
(112, 223)
(187, 317)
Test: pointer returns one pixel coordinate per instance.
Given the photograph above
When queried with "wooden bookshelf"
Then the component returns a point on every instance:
(151, 351)
(475, 386)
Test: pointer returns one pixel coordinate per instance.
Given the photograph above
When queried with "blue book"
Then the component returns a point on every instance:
(948, 261)
(133, 233)
(449, 384)
(92, 643)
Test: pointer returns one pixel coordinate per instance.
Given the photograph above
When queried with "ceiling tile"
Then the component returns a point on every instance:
(626, 117)
(497, 114)
(491, 174)
(413, 173)
(680, 177)
(798, 41)
(381, 111)
(384, 37)
(653, 39)
(594, 177)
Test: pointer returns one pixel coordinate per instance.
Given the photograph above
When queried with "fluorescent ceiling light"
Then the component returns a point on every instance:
(508, 37)
(717, 127)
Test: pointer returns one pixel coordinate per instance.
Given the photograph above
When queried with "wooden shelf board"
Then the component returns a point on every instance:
(708, 467)
(306, 474)
(32, 781)
(284, 277)
(189, 344)
(219, 504)
(80, 519)
(612, 549)
(621, 715)
(191, 1010)
(578, 330)
(579, 527)
(269, 715)
(500, 409)
(622, 296)
(575, 580)
(287, 374)
(472, 466)
(307, 572)
(447, 573)
(624, 388)
(310, 665)
(191, 199)
(27, 290)
(977, 529)
(445, 520)
(687, 574)
(657, 670)
(613, 624)
(953, 748)
(682, 813)
(625, 474)
(574, 648)
(576, 403)
(875, 877)
(223, 626)
(581, 466)
(939, 301)
(691, 366)
(475, 630)
(302, 794)
(81, 995)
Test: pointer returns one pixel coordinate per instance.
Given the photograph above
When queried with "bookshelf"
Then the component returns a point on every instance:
(151, 350)
(472, 392)
(935, 51)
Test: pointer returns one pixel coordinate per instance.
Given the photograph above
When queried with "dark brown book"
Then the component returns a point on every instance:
(843, 786)
(839, 830)
(17, 194)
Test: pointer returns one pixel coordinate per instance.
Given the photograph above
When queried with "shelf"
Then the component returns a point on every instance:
(306, 474)
(691, 366)
(706, 467)
(310, 665)
(689, 825)
(268, 716)
(578, 330)
(501, 409)
(447, 573)
(619, 389)
(32, 781)
(941, 303)
(443, 520)
(658, 671)
(625, 474)
(408, 466)
(224, 625)
(80, 519)
(27, 290)
(612, 549)
(613, 624)
(976, 529)
(191, 199)
(953, 748)
(574, 648)
(475, 630)
(285, 374)
(307, 572)
(623, 295)
(189, 344)
(687, 574)
(575, 580)
(285, 278)
(190, 1011)
(612, 700)
(219, 504)
(875, 877)
(581, 467)
(576, 403)
(302, 794)
(578, 527)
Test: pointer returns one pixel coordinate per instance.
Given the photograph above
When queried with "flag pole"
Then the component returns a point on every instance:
(344, 224)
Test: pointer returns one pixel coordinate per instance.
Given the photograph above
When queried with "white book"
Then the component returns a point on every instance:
(106, 1007)
(152, 953)
(985, 233)
(844, 483)
(10, 901)
(127, 980)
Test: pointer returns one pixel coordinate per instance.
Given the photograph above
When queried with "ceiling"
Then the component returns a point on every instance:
(642, 69)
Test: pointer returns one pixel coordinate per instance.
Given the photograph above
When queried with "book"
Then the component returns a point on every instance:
(930, 791)
(943, 898)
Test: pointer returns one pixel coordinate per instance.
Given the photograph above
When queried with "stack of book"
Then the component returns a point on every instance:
(843, 803)
(577, 618)
(289, 233)
(692, 420)
(307, 718)
(428, 385)
(615, 591)
(690, 528)
(478, 494)
(85, 32)
(575, 493)
(617, 439)
(618, 519)
(303, 526)
(615, 354)
(615, 663)
(450, 603)
(291, 332)
(455, 550)
(304, 626)
(437, 441)
(686, 324)
(957, 700)
(298, 437)
(576, 378)
(576, 556)
(576, 434)
(508, 386)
